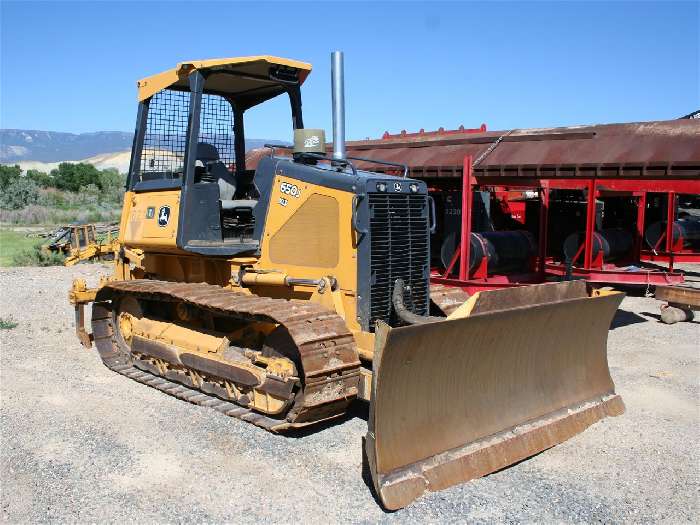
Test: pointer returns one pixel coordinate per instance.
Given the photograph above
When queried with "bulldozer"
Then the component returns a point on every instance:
(283, 294)
(83, 242)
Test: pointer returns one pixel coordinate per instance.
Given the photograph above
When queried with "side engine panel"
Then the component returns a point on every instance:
(151, 219)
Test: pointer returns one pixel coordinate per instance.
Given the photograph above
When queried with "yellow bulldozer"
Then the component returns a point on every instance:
(281, 295)
(83, 242)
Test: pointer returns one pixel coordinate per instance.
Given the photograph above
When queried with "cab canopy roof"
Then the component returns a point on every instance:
(246, 80)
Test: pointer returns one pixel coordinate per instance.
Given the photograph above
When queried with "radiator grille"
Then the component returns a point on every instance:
(399, 249)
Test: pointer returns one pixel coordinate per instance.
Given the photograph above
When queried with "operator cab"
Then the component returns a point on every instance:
(190, 137)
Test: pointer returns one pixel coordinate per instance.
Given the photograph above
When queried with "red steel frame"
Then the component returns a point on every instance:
(670, 253)
(479, 279)
(594, 270)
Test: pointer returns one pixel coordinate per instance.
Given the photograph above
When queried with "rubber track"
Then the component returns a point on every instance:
(327, 348)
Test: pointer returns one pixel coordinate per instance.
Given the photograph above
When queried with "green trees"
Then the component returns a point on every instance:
(68, 177)
(18, 193)
(79, 186)
(71, 177)
(41, 179)
(111, 184)
(8, 174)
(79, 178)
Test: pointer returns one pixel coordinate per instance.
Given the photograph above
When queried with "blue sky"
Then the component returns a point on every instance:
(409, 65)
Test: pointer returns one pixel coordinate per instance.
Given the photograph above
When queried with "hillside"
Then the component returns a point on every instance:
(33, 149)
(118, 160)
(52, 146)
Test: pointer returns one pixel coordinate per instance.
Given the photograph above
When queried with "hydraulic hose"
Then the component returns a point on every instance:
(403, 313)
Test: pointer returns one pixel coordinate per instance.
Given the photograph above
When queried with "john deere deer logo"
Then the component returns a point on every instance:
(163, 216)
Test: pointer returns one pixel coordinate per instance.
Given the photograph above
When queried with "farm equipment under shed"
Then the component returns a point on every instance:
(526, 206)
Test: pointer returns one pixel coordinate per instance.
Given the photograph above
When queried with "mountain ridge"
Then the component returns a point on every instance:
(19, 146)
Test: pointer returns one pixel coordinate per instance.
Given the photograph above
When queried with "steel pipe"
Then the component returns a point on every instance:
(337, 82)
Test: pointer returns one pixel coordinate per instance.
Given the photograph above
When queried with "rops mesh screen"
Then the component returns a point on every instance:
(163, 152)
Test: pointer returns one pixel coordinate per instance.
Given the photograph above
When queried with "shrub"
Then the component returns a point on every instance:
(30, 215)
(111, 184)
(18, 193)
(52, 197)
(36, 256)
(94, 216)
(7, 323)
(73, 200)
(89, 194)
(8, 174)
(41, 179)
(48, 215)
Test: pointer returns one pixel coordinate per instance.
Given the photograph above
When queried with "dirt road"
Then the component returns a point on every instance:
(82, 444)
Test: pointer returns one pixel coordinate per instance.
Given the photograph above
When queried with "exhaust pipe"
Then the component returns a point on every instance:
(338, 105)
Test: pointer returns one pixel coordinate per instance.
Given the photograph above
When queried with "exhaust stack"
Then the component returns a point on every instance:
(337, 82)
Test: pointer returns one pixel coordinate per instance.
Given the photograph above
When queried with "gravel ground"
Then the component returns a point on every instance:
(82, 444)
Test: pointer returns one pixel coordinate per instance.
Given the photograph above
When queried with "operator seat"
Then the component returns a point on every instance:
(213, 170)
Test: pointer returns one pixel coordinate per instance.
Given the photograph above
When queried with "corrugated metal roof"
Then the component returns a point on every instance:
(674, 144)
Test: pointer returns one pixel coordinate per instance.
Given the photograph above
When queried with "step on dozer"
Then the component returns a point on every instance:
(280, 295)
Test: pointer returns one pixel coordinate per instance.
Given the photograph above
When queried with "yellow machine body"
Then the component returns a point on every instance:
(279, 297)
(310, 238)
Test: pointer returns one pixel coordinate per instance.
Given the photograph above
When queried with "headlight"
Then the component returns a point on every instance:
(381, 186)
(414, 187)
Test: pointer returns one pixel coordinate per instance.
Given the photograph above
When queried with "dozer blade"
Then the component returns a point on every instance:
(509, 374)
